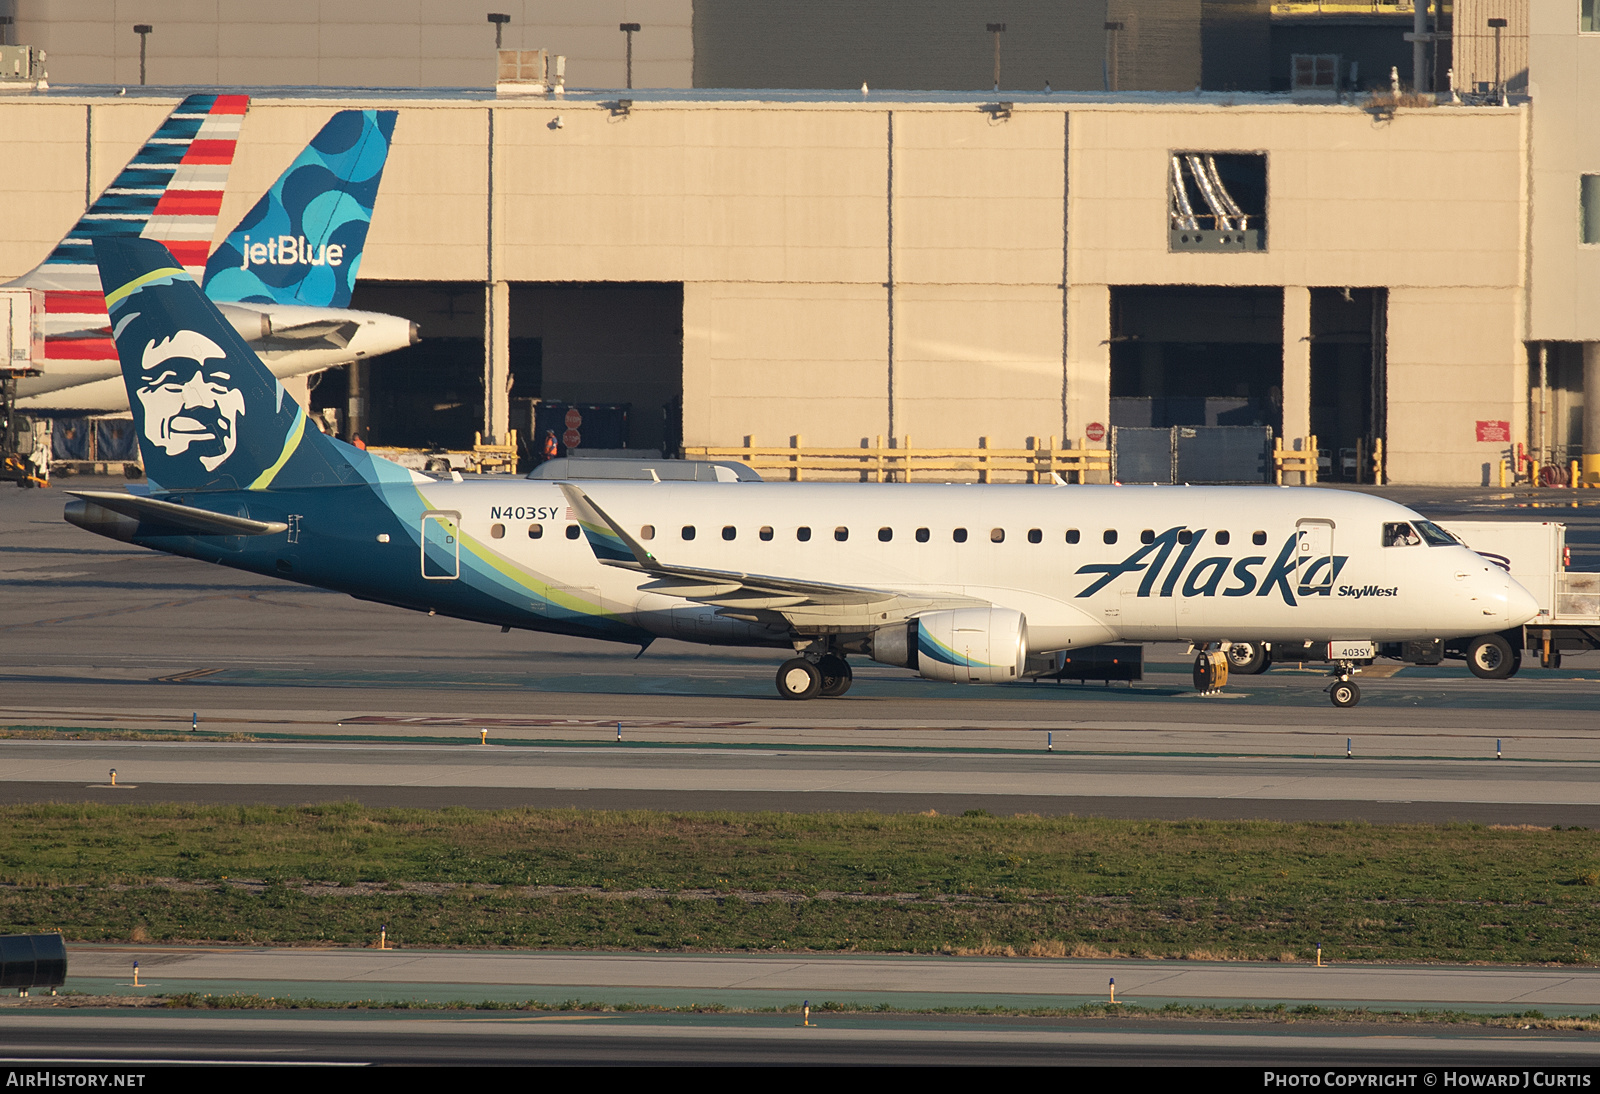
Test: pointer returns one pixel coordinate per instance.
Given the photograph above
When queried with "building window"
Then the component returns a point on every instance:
(1589, 207)
(497, 531)
(1217, 201)
(1589, 17)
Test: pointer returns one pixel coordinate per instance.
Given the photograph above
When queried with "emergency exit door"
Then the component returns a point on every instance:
(1314, 548)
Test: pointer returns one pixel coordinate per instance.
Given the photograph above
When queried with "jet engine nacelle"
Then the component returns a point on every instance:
(966, 645)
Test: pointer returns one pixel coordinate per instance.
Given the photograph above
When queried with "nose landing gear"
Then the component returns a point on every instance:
(1343, 691)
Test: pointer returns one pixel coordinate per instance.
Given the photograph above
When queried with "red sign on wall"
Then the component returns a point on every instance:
(1095, 432)
(1498, 432)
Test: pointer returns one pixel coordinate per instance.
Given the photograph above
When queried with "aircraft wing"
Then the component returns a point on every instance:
(803, 603)
(186, 520)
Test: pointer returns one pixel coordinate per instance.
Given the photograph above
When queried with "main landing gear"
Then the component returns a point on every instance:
(806, 678)
(1343, 690)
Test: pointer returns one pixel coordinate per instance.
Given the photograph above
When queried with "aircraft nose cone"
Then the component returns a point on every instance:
(1520, 604)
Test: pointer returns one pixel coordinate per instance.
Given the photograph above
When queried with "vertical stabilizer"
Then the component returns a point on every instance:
(302, 242)
(207, 412)
(172, 191)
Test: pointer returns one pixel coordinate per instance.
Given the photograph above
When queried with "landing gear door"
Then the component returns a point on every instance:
(441, 545)
(1315, 551)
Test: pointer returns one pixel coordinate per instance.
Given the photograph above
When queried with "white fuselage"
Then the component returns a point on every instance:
(1295, 563)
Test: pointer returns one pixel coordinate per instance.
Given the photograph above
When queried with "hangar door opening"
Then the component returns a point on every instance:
(611, 351)
(1348, 379)
(601, 367)
(1196, 383)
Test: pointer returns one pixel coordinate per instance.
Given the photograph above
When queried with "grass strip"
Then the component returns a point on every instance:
(863, 882)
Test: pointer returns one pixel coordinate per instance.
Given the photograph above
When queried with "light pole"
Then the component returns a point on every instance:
(1111, 55)
(628, 29)
(1498, 25)
(499, 19)
(143, 31)
(996, 29)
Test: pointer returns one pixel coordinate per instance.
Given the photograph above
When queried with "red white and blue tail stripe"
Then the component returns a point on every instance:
(170, 191)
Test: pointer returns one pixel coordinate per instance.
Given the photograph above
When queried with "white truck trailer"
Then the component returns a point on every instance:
(1536, 554)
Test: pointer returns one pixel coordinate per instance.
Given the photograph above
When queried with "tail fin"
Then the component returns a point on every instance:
(171, 190)
(302, 242)
(208, 414)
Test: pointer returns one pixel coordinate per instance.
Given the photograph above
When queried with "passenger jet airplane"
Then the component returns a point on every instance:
(283, 278)
(957, 582)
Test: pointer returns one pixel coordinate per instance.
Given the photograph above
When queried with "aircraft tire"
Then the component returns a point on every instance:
(836, 676)
(1344, 694)
(1247, 658)
(1490, 657)
(799, 679)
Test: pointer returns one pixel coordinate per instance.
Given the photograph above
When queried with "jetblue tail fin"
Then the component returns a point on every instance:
(208, 413)
(302, 242)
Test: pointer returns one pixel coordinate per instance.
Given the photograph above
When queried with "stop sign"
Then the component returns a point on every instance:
(1096, 432)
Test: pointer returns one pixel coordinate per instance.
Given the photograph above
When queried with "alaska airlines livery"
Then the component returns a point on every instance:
(957, 582)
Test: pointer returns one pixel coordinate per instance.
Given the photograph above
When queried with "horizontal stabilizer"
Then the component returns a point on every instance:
(183, 519)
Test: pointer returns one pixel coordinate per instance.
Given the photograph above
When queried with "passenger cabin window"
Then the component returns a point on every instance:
(1147, 536)
(1110, 536)
(688, 531)
(648, 531)
(729, 532)
(1258, 538)
(1400, 534)
(841, 533)
(997, 535)
(535, 531)
(922, 535)
(1222, 539)
(885, 535)
(1035, 536)
(765, 533)
(572, 531)
(803, 534)
(497, 531)
(959, 535)
(1185, 536)
(1072, 535)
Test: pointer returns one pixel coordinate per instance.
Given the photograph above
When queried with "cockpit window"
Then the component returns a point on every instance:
(1434, 536)
(1400, 534)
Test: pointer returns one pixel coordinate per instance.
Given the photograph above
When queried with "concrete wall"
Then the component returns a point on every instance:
(351, 43)
(1564, 273)
(800, 316)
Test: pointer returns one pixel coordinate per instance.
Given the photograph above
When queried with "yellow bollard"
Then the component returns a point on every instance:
(1113, 989)
(1572, 481)
(1533, 472)
(136, 975)
(383, 937)
(113, 776)
(1319, 955)
(483, 736)
(1504, 467)
(805, 1013)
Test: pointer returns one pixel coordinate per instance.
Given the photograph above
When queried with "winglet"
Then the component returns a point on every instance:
(606, 538)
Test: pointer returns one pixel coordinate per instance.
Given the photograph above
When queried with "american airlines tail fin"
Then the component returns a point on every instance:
(302, 242)
(171, 190)
(207, 412)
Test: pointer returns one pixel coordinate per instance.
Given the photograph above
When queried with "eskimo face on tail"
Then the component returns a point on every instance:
(190, 401)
